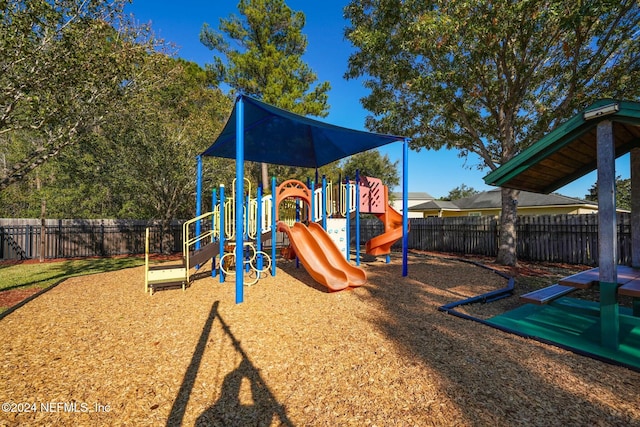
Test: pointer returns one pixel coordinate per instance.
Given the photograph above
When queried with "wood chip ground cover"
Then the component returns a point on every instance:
(293, 354)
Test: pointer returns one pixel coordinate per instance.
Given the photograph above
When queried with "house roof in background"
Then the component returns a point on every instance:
(277, 136)
(569, 152)
(493, 200)
(435, 205)
(413, 195)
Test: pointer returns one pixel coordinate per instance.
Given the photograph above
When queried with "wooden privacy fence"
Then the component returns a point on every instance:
(549, 238)
(23, 238)
(571, 239)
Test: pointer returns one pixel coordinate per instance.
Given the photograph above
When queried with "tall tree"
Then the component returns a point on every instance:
(623, 193)
(64, 64)
(372, 163)
(490, 77)
(460, 192)
(159, 132)
(262, 57)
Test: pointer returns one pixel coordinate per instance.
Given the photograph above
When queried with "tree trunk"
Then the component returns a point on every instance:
(265, 177)
(507, 242)
(167, 236)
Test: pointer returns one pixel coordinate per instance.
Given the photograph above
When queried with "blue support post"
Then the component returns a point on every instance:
(221, 230)
(214, 201)
(273, 225)
(348, 217)
(405, 207)
(312, 207)
(309, 217)
(357, 217)
(239, 199)
(259, 227)
(198, 197)
(324, 202)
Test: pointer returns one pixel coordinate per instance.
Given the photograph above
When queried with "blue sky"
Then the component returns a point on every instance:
(434, 172)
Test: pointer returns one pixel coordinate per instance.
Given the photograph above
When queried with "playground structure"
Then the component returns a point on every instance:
(324, 250)
(260, 132)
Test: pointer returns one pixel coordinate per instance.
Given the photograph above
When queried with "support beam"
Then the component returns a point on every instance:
(607, 248)
(198, 197)
(239, 199)
(635, 207)
(405, 207)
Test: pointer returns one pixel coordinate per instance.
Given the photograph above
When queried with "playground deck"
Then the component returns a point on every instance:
(293, 354)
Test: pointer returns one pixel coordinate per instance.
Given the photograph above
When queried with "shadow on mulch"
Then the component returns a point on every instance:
(228, 410)
(479, 365)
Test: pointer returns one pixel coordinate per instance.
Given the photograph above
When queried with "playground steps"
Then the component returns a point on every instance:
(175, 275)
(166, 276)
(546, 295)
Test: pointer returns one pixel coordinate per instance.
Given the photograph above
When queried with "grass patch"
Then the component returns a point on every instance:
(45, 274)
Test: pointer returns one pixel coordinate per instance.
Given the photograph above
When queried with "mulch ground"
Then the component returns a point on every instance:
(96, 350)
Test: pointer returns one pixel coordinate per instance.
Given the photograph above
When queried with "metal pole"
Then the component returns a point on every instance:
(405, 207)
(222, 225)
(273, 225)
(259, 226)
(214, 201)
(239, 199)
(198, 198)
(347, 213)
(312, 207)
(357, 217)
(324, 202)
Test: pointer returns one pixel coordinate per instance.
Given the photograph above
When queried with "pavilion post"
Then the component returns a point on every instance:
(607, 253)
(635, 207)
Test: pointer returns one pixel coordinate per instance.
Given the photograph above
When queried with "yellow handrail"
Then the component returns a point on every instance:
(188, 242)
(146, 260)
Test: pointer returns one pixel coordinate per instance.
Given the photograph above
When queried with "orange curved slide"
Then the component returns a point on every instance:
(381, 245)
(313, 257)
(356, 275)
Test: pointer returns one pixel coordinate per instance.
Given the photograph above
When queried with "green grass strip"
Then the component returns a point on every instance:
(42, 275)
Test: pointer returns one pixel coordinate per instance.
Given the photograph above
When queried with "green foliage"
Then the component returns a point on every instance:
(157, 134)
(64, 65)
(490, 77)
(623, 193)
(268, 64)
(261, 56)
(460, 192)
(372, 163)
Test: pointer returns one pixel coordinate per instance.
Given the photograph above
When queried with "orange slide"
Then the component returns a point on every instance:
(321, 258)
(392, 220)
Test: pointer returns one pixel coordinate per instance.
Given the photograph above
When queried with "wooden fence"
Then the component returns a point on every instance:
(550, 238)
(571, 239)
(23, 238)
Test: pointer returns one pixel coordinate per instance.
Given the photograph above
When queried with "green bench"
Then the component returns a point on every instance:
(632, 289)
(545, 295)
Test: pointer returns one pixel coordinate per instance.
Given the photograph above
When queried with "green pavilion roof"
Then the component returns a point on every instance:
(570, 151)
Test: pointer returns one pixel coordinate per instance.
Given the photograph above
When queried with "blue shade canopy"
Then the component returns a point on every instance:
(276, 136)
